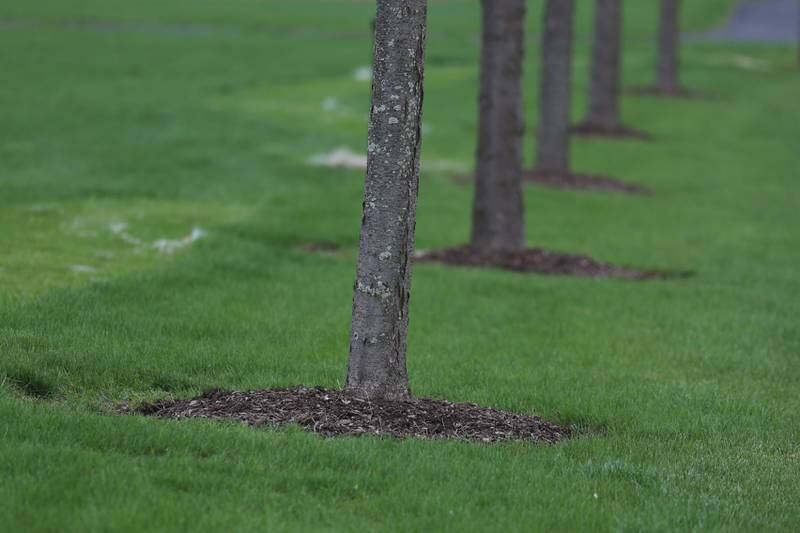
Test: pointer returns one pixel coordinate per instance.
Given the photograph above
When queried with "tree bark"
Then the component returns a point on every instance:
(497, 216)
(669, 47)
(377, 362)
(605, 74)
(553, 140)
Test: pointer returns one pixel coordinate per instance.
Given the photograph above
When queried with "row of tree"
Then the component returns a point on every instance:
(377, 362)
(498, 211)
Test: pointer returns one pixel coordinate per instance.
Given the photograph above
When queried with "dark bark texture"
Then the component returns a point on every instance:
(377, 363)
(553, 139)
(497, 221)
(604, 86)
(668, 80)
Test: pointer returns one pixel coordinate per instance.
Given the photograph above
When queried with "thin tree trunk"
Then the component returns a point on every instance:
(377, 363)
(497, 220)
(605, 74)
(552, 147)
(669, 47)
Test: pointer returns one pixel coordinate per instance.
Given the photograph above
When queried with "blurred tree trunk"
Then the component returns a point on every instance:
(552, 147)
(668, 80)
(497, 221)
(605, 74)
(377, 363)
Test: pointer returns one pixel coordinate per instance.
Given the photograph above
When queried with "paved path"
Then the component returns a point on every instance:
(759, 21)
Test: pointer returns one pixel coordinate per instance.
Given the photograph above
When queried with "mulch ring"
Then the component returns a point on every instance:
(659, 92)
(332, 413)
(586, 129)
(583, 182)
(538, 261)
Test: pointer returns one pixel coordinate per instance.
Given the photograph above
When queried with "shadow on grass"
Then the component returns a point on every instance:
(31, 384)
(583, 427)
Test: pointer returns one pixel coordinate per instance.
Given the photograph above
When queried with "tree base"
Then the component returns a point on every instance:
(680, 93)
(588, 129)
(538, 261)
(333, 413)
(561, 180)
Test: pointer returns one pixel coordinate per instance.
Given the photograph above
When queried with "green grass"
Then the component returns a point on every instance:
(205, 115)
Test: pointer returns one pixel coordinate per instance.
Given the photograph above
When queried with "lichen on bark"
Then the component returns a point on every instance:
(377, 361)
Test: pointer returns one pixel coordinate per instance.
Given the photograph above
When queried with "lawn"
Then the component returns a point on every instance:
(126, 124)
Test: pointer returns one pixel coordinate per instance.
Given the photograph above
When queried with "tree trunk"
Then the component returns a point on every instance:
(552, 147)
(497, 218)
(605, 74)
(669, 47)
(377, 363)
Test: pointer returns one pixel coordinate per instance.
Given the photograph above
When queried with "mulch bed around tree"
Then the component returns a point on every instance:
(538, 261)
(585, 129)
(583, 182)
(658, 92)
(331, 413)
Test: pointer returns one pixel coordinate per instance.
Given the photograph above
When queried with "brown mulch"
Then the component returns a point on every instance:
(585, 129)
(583, 182)
(538, 261)
(332, 412)
(658, 92)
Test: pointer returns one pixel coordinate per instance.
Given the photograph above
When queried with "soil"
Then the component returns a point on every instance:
(583, 182)
(538, 261)
(658, 92)
(586, 182)
(331, 413)
(585, 129)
